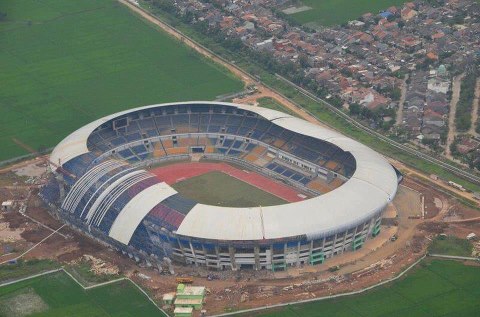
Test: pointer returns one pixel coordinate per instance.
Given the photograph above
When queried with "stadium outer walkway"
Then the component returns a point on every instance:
(178, 172)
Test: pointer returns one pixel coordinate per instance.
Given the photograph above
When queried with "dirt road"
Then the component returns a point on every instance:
(21, 164)
(452, 131)
(401, 102)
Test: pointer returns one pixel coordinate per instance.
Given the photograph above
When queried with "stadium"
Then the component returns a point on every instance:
(220, 185)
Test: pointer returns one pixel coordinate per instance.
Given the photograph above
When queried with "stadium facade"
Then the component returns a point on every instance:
(101, 185)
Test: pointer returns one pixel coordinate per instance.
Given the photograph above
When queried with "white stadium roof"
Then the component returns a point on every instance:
(372, 186)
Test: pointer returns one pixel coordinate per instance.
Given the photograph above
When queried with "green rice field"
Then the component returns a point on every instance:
(332, 12)
(57, 295)
(219, 189)
(434, 288)
(66, 63)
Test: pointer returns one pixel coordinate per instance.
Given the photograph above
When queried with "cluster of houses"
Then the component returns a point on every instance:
(366, 60)
(426, 105)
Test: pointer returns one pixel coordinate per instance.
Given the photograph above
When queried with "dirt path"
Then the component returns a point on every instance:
(452, 131)
(403, 88)
(38, 159)
(475, 109)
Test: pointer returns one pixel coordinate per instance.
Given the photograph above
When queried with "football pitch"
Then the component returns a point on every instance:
(434, 288)
(332, 12)
(57, 295)
(219, 189)
(66, 63)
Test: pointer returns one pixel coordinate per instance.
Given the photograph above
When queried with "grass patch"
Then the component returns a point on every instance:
(435, 288)
(271, 103)
(219, 189)
(451, 246)
(25, 268)
(64, 297)
(66, 63)
(331, 12)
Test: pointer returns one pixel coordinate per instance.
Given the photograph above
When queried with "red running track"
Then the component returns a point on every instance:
(178, 172)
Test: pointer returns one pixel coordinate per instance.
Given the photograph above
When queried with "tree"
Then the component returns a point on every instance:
(303, 60)
(354, 108)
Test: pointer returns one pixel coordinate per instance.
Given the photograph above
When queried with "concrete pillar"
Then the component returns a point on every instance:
(344, 241)
(231, 251)
(193, 253)
(256, 250)
(334, 244)
(298, 254)
(180, 246)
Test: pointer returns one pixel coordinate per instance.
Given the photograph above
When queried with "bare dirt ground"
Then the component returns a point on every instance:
(442, 184)
(379, 259)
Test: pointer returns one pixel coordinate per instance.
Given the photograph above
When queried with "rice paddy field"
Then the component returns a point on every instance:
(332, 12)
(57, 295)
(219, 189)
(434, 288)
(66, 63)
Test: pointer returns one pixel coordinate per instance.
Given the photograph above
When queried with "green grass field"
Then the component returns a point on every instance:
(219, 189)
(66, 63)
(436, 288)
(57, 295)
(331, 12)
(451, 246)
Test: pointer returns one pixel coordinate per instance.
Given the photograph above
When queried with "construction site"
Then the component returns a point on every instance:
(420, 212)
